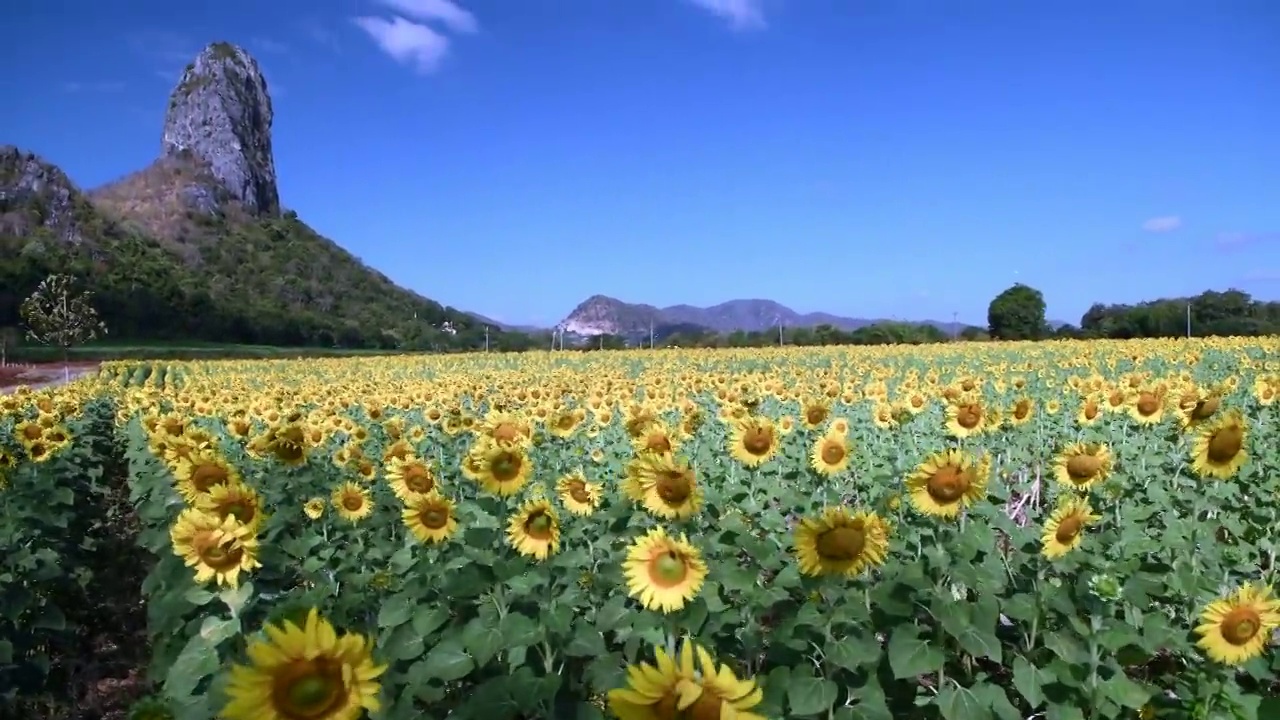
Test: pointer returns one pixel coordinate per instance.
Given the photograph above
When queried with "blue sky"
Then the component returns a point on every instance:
(866, 157)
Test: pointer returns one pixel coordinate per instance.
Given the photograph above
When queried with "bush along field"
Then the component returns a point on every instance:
(1063, 531)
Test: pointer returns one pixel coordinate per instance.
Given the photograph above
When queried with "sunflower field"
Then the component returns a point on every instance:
(1063, 530)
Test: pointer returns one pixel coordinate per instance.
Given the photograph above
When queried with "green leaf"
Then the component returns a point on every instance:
(404, 643)
(586, 642)
(396, 610)
(612, 613)
(958, 703)
(428, 619)
(1126, 692)
(482, 640)
(236, 598)
(6, 652)
(518, 630)
(216, 630)
(447, 661)
(811, 695)
(853, 651)
(1030, 681)
(870, 702)
(994, 696)
(910, 656)
(198, 596)
(50, 617)
(1063, 712)
(197, 661)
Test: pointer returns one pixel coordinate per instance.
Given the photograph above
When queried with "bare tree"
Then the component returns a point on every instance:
(58, 316)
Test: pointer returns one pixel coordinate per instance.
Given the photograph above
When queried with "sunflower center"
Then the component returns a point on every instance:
(1148, 404)
(1240, 625)
(674, 487)
(669, 569)
(757, 440)
(917, 401)
(1022, 409)
(240, 510)
(948, 484)
(539, 526)
(969, 416)
(206, 475)
(506, 467)
(843, 543)
(286, 451)
(1225, 444)
(578, 491)
(1116, 398)
(434, 518)
(220, 557)
(32, 432)
(418, 479)
(1206, 408)
(658, 442)
(815, 415)
(1068, 529)
(352, 502)
(1090, 410)
(1083, 467)
(832, 452)
(307, 689)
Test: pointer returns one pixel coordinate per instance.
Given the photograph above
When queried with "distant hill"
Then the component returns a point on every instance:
(600, 314)
(197, 246)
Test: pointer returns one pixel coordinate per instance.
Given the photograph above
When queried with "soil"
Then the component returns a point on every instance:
(41, 375)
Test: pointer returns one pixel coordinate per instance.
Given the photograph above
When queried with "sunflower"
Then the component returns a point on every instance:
(235, 500)
(28, 432)
(663, 572)
(1064, 530)
(351, 501)
(308, 672)
(410, 476)
(1147, 406)
(314, 508)
(566, 422)
(500, 469)
(218, 548)
(673, 688)
(287, 444)
(1236, 628)
(947, 482)
(657, 437)
(664, 484)
(966, 419)
(840, 542)
(1197, 406)
(883, 416)
(754, 440)
(1024, 408)
(534, 529)
(429, 516)
(830, 453)
(1082, 465)
(577, 495)
(1218, 450)
(200, 471)
(813, 413)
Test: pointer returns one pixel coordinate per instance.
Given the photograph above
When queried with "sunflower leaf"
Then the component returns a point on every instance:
(448, 661)
(911, 656)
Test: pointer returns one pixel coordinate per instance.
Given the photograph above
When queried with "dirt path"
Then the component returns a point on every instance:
(37, 377)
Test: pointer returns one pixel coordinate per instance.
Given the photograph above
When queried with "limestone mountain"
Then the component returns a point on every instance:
(197, 246)
(600, 314)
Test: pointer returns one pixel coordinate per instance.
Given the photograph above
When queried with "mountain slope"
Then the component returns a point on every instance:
(600, 314)
(194, 245)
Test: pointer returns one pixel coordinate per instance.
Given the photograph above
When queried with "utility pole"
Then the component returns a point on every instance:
(553, 339)
(650, 334)
(1188, 321)
(486, 338)
(779, 332)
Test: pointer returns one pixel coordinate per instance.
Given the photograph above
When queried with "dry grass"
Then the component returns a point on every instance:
(152, 199)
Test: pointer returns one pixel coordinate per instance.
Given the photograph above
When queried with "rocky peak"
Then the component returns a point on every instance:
(35, 193)
(220, 114)
(603, 315)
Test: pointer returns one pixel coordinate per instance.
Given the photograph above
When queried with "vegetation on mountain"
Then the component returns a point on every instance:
(1017, 314)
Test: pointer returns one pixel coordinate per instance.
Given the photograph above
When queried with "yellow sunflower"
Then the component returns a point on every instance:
(577, 495)
(813, 413)
(656, 437)
(1218, 450)
(1082, 465)
(534, 529)
(499, 469)
(840, 542)
(351, 501)
(754, 440)
(1147, 406)
(1023, 410)
(308, 672)
(430, 517)
(947, 482)
(966, 419)
(410, 476)
(235, 500)
(200, 471)
(830, 454)
(314, 508)
(1065, 528)
(663, 572)
(673, 688)
(218, 548)
(665, 485)
(1236, 628)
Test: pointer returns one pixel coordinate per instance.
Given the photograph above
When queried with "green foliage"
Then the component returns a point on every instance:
(1209, 314)
(1017, 314)
(59, 316)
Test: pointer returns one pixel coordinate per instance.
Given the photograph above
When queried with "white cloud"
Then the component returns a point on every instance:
(451, 14)
(407, 42)
(741, 14)
(1166, 223)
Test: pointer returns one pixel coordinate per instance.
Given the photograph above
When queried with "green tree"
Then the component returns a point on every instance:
(1017, 314)
(58, 316)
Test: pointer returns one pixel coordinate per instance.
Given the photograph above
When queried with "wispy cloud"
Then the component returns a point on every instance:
(414, 42)
(740, 14)
(1232, 241)
(92, 87)
(1165, 223)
